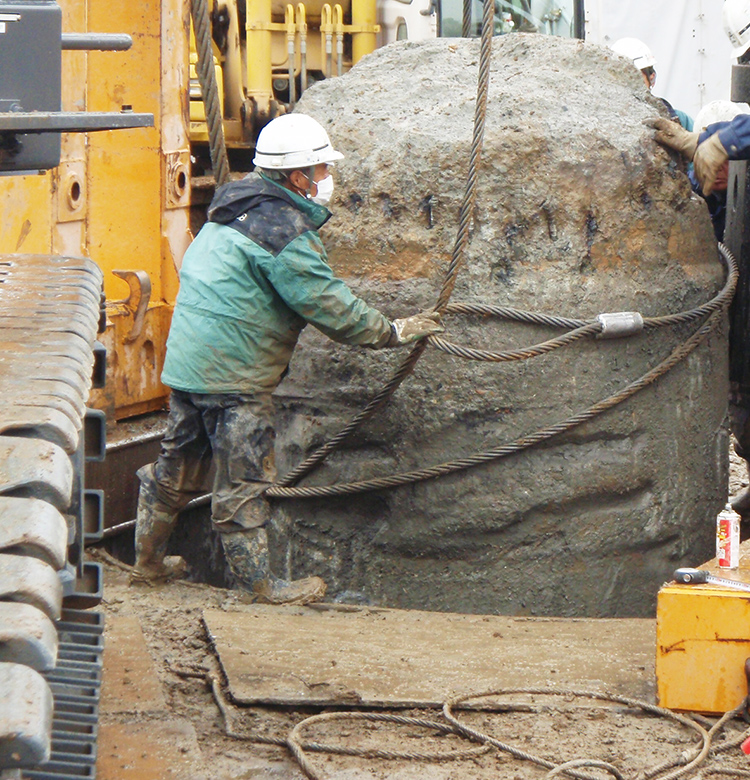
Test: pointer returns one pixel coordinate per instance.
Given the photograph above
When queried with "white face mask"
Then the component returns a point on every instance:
(325, 190)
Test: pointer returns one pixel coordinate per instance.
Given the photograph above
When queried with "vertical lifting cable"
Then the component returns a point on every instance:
(459, 249)
(466, 20)
(210, 90)
(470, 195)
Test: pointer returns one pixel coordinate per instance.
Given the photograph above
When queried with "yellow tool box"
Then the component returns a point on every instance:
(703, 639)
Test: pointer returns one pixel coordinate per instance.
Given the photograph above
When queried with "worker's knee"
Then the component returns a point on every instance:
(161, 494)
(231, 512)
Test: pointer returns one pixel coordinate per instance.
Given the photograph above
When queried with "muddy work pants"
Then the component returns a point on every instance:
(235, 433)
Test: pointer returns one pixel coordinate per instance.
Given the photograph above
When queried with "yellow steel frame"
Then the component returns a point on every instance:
(120, 197)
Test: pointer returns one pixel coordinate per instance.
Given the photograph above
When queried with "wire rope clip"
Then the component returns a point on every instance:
(617, 324)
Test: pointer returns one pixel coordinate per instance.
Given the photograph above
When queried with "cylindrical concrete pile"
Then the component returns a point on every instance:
(579, 212)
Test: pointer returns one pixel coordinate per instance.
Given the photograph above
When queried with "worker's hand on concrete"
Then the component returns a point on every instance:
(709, 159)
(674, 135)
(416, 327)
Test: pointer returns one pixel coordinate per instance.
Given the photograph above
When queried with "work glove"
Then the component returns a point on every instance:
(413, 328)
(709, 159)
(674, 135)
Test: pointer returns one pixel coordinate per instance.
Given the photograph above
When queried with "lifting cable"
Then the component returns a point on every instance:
(671, 769)
(210, 90)
(462, 240)
(718, 305)
(578, 329)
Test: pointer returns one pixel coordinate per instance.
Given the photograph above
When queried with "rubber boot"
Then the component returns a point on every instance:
(247, 554)
(152, 531)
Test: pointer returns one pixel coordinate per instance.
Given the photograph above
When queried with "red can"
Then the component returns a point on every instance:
(728, 538)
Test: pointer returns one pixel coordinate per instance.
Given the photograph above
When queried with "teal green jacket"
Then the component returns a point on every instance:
(254, 276)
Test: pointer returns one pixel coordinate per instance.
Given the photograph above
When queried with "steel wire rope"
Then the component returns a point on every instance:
(297, 748)
(510, 313)
(701, 755)
(210, 91)
(395, 480)
(580, 329)
(213, 680)
(459, 248)
(732, 742)
(592, 762)
(697, 758)
(538, 318)
(466, 19)
(686, 762)
(488, 356)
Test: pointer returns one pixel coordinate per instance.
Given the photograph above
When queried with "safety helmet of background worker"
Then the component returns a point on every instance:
(635, 50)
(719, 111)
(736, 18)
(293, 141)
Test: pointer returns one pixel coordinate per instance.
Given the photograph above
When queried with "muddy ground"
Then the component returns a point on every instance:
(162, 703)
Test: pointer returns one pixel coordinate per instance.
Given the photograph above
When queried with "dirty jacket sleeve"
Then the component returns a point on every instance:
(734, 136)
(308, 286)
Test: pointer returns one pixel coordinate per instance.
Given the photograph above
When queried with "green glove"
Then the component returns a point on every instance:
(709, 157)
(674, 135)
(413, 328)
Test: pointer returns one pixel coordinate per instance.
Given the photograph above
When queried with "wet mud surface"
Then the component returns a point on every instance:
(160, 718)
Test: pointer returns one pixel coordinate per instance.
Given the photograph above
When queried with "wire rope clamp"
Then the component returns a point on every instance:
(618, 324)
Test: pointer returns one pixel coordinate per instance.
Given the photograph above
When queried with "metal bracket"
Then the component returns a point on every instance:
(137, 302)
(71, 121)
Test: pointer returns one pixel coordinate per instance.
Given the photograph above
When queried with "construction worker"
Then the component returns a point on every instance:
(709, 149)
(255, 275)
(644, 60)
(716, 200)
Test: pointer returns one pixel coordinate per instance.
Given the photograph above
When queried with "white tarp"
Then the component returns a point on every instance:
(693, 54)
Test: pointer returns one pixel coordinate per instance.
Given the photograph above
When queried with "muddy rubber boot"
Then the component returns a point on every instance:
(247, 554)
(152, 532)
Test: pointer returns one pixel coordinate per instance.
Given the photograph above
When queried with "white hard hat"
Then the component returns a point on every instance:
(736, 18)
(635, 50)
(293, 141)
(719, 111)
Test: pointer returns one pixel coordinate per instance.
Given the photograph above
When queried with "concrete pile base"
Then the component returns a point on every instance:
(579, 212)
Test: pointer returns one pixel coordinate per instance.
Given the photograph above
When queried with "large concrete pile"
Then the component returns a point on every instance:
(579, 212)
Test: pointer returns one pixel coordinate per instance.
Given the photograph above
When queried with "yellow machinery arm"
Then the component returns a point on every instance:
(283, 49)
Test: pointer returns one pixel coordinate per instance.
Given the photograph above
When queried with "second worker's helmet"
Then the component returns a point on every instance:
(293, 141)
(635, 50)
(736, 18)
(718, 111)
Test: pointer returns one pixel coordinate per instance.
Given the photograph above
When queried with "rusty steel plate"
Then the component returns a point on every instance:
(401, 658)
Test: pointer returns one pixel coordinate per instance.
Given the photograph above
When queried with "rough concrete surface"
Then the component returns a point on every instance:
(579, 212)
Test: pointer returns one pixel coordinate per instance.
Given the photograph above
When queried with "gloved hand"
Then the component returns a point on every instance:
(708, 161)
(413, 328)
(674, 135)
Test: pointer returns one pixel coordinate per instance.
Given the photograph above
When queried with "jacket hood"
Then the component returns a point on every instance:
(237, 197)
